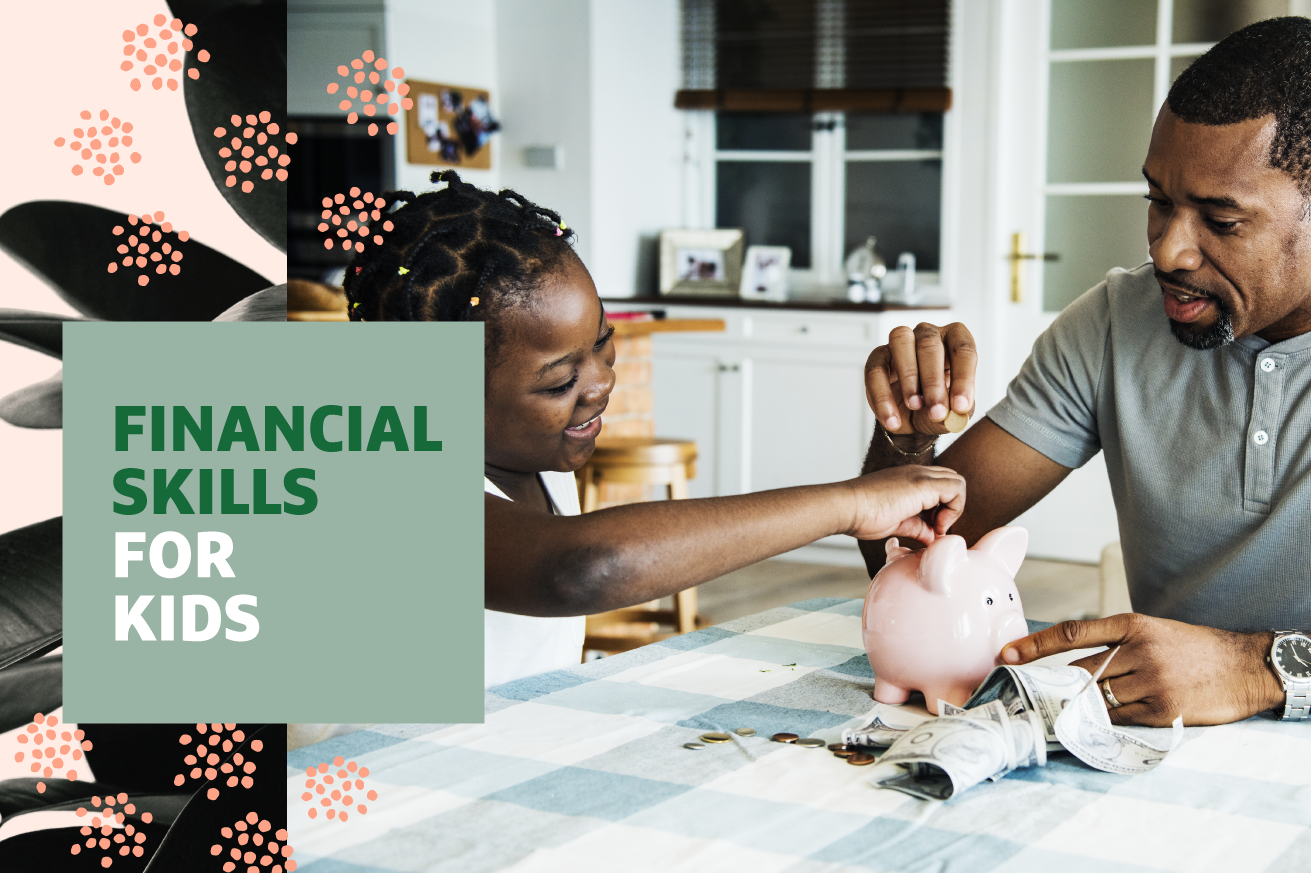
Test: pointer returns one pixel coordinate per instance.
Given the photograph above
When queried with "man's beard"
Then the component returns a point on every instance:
(1220, 333)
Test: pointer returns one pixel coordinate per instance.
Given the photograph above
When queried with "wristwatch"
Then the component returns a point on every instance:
(1290, 656)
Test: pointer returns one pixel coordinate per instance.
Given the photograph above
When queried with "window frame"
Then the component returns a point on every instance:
(828, 158)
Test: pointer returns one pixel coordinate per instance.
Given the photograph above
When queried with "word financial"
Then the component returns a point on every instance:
(239, 429)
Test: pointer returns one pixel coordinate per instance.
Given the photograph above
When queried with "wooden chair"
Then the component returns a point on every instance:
(641, 461)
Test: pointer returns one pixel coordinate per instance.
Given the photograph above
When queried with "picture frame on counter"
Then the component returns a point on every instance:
(765, 273)
(701, 263)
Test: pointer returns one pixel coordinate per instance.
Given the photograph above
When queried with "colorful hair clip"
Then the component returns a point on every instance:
(355, 306)
(473, 301)
(559, 231)
(402, 271)
(357, 269)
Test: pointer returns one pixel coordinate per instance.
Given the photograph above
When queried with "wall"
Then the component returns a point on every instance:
(452, 42)
(636, 140)
(598, 78)
(544, 70)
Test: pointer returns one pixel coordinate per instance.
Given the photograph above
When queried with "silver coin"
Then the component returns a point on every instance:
(694, 745)
(811, 743)
(745, 732)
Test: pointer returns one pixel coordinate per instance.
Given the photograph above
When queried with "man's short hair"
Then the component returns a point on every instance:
(1263, 69)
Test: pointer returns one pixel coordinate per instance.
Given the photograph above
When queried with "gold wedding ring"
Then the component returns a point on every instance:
(1110, 695)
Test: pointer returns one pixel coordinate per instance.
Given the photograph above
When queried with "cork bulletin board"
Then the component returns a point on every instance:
(450, 126)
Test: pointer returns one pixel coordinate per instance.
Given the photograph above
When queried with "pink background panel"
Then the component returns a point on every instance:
(71, 53)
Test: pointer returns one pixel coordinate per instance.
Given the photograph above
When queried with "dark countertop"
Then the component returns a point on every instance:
(788, 306)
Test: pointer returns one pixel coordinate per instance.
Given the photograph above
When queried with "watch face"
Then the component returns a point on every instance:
(1293, 656)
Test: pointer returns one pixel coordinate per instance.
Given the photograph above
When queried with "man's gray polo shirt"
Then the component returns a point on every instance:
(1209, 453)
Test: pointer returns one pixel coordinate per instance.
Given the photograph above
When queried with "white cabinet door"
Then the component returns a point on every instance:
(807, 418)
(686, 383)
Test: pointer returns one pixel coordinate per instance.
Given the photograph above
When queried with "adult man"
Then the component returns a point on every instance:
(1208, 456)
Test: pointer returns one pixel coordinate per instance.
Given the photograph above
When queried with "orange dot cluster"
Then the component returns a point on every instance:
(51, 751)
(151, 52)
(241, 154)
(332, 789)
(128, 841)
(253, 848)
(87, 143)
(204, 761)
(387, 96)
(361, 217)
(136, 250)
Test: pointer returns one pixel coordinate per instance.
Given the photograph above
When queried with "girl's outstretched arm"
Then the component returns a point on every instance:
(547, 565)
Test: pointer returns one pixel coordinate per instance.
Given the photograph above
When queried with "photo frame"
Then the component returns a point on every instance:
(765, 273)
(450, 126)
(701, 263)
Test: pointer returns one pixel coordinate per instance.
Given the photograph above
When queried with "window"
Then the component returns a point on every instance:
(1111, 65)
(821, 184)
(827, 126)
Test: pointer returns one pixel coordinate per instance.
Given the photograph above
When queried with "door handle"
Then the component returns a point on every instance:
(1017, 255)
(729, 368)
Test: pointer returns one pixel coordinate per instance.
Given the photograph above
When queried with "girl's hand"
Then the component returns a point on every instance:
(889, 503)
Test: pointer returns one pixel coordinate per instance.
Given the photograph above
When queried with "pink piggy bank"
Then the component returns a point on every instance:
(935, 620)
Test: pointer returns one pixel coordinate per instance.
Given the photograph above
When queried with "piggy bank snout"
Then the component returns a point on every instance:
(1009, 629)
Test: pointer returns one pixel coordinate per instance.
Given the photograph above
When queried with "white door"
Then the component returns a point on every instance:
(1077, 84)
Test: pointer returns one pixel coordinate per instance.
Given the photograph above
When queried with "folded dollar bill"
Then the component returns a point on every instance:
(1013, 720)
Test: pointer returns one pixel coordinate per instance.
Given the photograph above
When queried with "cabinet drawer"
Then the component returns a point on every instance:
(811, 331)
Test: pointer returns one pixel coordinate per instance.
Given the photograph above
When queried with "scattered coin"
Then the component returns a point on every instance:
(745, 732)
(715, 738)
(842, 750)
(784, 738)
(860, 759)
(811, 743)
(694, 745)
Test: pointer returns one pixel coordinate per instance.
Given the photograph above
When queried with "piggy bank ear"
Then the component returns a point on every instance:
(940, 559)
(893, 550)
(1006, 545)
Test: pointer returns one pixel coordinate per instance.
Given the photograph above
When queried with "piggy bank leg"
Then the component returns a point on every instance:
(956, 695)
(886, 692)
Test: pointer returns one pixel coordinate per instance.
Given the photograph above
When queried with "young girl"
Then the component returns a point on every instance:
(464, 254)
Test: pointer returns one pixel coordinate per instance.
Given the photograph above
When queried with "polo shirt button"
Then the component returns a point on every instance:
(1260, 437)
(1268, 364)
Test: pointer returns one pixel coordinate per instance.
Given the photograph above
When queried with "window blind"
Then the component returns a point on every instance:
(815, 55)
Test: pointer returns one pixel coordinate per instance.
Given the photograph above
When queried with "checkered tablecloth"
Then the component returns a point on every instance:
(584, 769)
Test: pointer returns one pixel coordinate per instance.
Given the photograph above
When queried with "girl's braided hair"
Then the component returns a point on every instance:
(457, 254)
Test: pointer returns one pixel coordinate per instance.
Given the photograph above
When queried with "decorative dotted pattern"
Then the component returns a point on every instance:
(241, 153)
(253, 849)
(136, 250)
(360, 218)
(156, 56)
(204, 760)
(128, 840)
(101, 154)
(385, 97)
(52, 751)
(330, 789)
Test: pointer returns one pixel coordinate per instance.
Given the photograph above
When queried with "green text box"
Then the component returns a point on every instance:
(369, 607)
